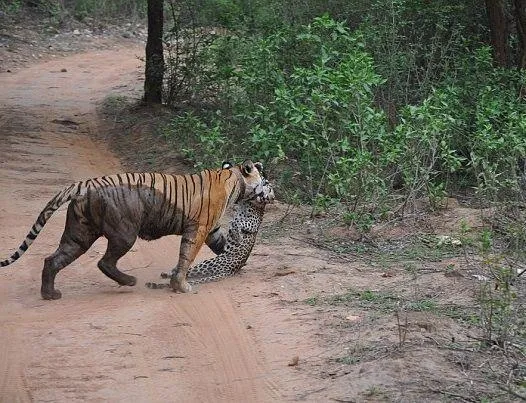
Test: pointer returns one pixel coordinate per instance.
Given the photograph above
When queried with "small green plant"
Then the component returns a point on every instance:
(10, 6)
(412, 269)
(437, 193)
(363, 221)
(467, 315)
(321, 204)
(424, 305)
(502, 315)
(465, 236)
(348, 360)
(486, 240)
(368, 299)
(375, 392)
(501, 318)
(203, 144)
(312, 301)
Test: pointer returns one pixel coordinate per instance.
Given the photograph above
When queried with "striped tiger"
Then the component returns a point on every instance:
(123, 207)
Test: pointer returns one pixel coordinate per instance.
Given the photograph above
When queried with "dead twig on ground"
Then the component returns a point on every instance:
(455, 395)
(284, 273)
(402, 329)
(320, 245)
(512, 392)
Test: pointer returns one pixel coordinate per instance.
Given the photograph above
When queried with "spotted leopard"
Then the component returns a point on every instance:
(238, 244)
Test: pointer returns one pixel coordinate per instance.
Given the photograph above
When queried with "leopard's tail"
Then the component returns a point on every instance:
(58, 200)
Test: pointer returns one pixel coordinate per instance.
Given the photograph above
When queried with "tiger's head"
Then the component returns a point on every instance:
(255, 185)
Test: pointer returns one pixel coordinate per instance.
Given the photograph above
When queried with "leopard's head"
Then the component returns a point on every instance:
(264, 193)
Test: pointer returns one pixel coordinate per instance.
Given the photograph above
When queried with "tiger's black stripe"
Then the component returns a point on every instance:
(201, 191)
(169, 197)
(152, 184)
(174, 208)
(163, 176)
(183, 191)
(209, 201)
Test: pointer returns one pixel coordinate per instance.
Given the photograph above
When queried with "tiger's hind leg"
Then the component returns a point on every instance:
(65, 254)
(118, 246)
(77, 238)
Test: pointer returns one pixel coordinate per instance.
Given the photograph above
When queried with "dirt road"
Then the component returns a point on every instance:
(102, 342)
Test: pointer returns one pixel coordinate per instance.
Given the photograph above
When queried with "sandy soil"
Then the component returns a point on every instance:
(302, 322)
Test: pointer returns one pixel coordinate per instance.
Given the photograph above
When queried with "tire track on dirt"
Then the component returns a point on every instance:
(229, 365)
(13, 385)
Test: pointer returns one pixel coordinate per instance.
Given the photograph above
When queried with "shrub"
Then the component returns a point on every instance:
(472, 127)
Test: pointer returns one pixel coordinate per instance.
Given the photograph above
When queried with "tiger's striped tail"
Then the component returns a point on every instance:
(58, 200)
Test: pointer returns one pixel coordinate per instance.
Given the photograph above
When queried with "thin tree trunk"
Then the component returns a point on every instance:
(520, 17)
(153, 82)
(499, 31)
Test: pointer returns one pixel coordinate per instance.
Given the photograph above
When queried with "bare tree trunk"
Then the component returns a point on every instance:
(153, 82)
(520, 17)
(499, 30)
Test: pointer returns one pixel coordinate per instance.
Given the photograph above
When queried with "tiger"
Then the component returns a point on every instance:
(238, 244)
(122, 207)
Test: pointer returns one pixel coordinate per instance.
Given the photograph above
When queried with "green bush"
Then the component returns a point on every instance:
(101, 9)
(198, 141)
(472, 127)
(416, 43)
(11, 7)
(427, 142)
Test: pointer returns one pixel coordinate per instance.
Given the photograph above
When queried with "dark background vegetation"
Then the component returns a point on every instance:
(363, 105)
(359, 107)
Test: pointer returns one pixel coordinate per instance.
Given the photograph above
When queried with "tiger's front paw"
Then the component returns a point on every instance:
(182, 285)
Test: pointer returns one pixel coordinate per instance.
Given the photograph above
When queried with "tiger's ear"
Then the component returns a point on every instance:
(259, 167)
(226, 165)
(246, 167)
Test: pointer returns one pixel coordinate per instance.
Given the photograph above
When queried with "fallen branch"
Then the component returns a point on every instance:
(451, 394)
(512, 392)
(284, 273)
